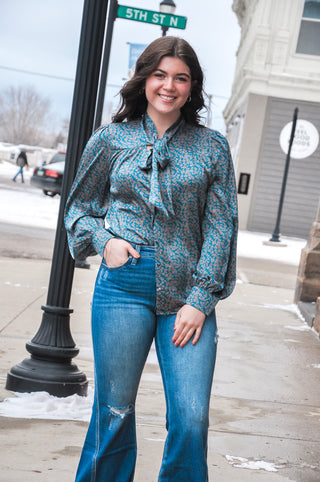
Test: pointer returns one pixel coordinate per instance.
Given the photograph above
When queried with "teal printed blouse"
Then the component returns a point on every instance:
(176, 193)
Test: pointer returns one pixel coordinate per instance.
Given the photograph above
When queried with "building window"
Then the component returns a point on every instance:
(309, 35)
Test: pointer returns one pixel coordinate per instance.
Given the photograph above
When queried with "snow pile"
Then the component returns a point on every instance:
(243, 463)
(25, 207)
(38, 210)
(250, 245)
(299, 328)
(9, 169)
(41, 405)
(293, 308)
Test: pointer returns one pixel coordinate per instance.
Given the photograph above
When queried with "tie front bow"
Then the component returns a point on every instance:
(156, 158)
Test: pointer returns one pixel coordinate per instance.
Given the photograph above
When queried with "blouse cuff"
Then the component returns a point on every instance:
(202, 300)
(100, 239)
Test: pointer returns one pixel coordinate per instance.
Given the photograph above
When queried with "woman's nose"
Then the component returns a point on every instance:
(169, 83)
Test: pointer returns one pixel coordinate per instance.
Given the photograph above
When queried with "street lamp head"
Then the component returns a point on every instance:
(167, 6)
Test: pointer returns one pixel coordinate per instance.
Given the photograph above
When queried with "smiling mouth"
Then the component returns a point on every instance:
(167, 97)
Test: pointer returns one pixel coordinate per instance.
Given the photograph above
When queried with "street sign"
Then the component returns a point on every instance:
(149, 16)
(305, 142)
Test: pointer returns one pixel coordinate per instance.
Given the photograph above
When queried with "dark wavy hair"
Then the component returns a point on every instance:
(133, 99)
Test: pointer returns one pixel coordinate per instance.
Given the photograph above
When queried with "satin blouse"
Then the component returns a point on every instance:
(176, 193)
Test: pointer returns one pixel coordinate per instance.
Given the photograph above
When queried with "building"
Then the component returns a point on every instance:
(278, 69)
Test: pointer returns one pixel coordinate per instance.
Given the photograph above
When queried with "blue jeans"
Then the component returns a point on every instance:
(20, 171)
(124, 324)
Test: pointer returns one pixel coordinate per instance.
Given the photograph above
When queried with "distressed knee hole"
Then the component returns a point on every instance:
(121, 412)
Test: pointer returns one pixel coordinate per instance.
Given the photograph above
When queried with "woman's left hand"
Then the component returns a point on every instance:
(189, 322)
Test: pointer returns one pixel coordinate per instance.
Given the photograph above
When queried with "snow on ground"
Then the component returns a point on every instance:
(244, 463)
(250, 245)
(25, 207)
(293, 308)
(41, 405)
(8, 170)
(30, 207)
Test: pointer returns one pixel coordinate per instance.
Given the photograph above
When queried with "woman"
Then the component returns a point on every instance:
(164, 186)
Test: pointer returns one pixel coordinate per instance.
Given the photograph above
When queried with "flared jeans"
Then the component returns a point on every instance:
(124, 325)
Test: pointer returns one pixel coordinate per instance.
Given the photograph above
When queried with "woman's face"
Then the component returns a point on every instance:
(167, 89)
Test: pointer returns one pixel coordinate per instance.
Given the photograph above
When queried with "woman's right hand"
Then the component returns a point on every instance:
(117, 251)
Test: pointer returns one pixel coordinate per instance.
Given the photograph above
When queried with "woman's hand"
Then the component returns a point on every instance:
(189, 322)
(117, 251)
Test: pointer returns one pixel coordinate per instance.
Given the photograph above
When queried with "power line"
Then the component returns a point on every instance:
(40, 74)
(217, 96)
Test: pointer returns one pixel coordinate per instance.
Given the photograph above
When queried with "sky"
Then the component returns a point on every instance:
(43, 37)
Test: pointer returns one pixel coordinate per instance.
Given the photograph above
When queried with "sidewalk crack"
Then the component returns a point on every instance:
(20, 313)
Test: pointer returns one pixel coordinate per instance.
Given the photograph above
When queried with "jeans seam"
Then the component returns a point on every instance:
(94, 459)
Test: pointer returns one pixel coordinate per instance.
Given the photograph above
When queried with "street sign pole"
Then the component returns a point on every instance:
(112, 15)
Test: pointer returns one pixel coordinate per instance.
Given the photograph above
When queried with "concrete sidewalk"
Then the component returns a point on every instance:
(266, 396)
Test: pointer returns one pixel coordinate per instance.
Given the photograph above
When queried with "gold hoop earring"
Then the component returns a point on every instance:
(189, 98)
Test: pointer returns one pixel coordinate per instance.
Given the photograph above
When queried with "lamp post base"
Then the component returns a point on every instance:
(275, 238)
(50, 368)
(35, 375)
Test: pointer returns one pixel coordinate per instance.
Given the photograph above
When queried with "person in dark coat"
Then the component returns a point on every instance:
(22, 161)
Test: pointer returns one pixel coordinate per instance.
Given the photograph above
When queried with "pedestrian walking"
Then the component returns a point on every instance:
(22, 161)
(155, 197)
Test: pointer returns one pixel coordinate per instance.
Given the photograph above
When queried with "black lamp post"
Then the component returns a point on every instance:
(166, 6)
(275, 238)
(50, 367)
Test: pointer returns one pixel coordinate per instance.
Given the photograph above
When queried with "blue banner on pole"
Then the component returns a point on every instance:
(134, 53)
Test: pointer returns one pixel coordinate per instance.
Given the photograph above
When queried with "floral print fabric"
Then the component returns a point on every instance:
(176, 193)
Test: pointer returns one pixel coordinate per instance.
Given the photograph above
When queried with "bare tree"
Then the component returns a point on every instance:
(62, 136)
(23, 113)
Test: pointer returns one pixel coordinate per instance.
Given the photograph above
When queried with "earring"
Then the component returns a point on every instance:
(189, 98)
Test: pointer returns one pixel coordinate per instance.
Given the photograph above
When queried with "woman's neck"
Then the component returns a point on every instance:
(162, 123)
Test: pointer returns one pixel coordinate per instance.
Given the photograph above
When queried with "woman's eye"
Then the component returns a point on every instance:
(182, 79)
(159, 76)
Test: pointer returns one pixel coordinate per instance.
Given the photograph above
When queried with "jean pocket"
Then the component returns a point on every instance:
(121, 266)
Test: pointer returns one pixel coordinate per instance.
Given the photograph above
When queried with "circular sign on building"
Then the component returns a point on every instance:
(305, 142)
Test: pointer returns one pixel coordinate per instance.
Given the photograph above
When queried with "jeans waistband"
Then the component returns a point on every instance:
(146, 249)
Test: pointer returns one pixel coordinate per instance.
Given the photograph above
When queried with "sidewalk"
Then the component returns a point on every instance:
(265, 409)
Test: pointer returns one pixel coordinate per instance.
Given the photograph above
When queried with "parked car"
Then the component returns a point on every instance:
(48, 177)
(58, 157)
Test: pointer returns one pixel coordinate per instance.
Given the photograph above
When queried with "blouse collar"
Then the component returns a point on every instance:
(151, 131)
(155, 157)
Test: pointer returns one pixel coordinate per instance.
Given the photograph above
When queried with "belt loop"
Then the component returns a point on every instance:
(137, 247)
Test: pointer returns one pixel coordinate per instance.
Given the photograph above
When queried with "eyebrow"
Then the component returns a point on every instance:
(182, 73)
